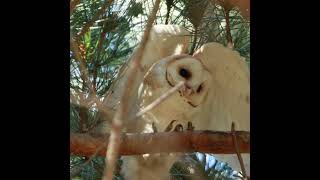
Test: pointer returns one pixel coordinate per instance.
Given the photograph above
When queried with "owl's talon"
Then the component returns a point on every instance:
(178, 128)
(190, 127)
(169, 127)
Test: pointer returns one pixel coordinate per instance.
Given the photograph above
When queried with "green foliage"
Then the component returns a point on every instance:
(135, 9)
(91, 171)
(107, 44)
(201, 166)
(109, 41)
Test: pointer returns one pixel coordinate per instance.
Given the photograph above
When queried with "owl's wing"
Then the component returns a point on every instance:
(229, 100)
(164, 40)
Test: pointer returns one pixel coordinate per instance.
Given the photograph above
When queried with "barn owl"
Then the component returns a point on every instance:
(216, 93)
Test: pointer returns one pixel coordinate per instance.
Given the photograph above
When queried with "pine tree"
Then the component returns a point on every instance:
(103, 35)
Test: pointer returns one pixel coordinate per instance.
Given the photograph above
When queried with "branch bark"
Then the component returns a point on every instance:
(243, 5)
(236, 146)
(122, 112)
(73, 4)
(228, 29)
(215, 142)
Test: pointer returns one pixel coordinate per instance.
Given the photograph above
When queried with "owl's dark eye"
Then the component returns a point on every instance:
(185, 73)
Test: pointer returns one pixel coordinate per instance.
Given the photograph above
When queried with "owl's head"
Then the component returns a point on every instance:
(217, 82)
(193, 73)
(216, 90)
(167, 73)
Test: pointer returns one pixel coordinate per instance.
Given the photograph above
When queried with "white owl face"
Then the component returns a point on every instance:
(165, 74)
(192, 71)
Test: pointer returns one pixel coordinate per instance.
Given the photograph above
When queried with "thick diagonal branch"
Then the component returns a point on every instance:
(189, 141)
(122, 112)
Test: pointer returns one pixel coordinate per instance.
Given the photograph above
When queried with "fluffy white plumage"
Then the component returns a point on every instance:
(217, 93)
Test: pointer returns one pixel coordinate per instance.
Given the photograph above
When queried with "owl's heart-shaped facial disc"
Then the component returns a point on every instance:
(193, 73)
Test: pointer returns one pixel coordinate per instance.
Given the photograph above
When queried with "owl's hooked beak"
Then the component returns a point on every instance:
(186, 90)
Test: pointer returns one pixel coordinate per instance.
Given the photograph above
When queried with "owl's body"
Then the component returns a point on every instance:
(217, 92)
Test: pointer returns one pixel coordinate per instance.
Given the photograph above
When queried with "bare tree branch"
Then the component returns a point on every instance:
(215, 142)
(236, 146)
(228, 29)
(195, 38)
(243, 5)
(85, 28)
(84, 74)
(123, 110)
(73, 4)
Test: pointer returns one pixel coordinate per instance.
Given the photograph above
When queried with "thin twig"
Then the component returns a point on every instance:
(169, 4)
(85, 28)
(83, 118)
(77, 170)
(101, 39)
(88, 102)
(100, 45)
(73, 4)
(159, 100)
(194, 40)
(82, 64)
(236, 146)
(114, 141)
(84, 74)
(228, 29)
